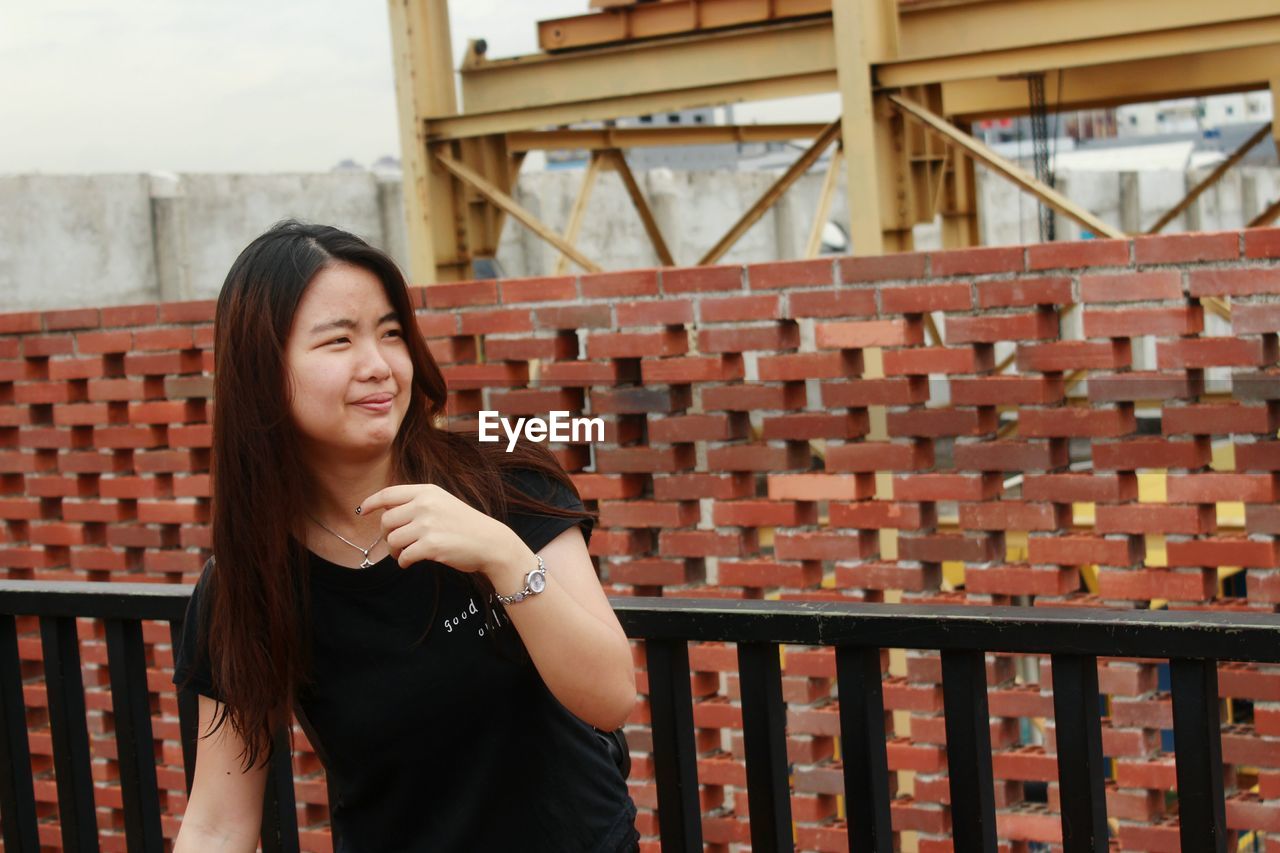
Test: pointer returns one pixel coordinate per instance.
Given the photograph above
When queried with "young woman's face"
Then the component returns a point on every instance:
(349, 365)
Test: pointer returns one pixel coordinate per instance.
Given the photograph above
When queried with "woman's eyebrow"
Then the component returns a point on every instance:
(344, 323)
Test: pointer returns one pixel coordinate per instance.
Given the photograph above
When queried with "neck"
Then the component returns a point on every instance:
(341, 486)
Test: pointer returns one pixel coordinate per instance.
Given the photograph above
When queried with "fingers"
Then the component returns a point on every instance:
(389, 497)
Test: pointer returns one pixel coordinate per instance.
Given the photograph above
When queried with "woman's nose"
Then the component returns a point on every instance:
(373, 364)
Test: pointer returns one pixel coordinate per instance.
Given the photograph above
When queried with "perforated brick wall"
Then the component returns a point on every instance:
(1086, 428)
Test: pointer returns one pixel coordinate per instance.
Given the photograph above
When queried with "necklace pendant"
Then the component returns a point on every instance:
(364, 564)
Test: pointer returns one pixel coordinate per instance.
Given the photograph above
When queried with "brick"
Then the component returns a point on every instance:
(1148, 584)
(740, 309)
(1261, 519)
(787, 274)
(498, 320)
(75, 318)
(808, 426)
(43, 346)
(1258, 456)
(662, 312)
(19, 323)
(441, 324)
(878, 514)
(619, 460)
(644, 513)
(880, 456)
(1210, 352)
(1076, 421)
(946, 487)
(1081, 549)
(824, 546)
(1149, 453)
(573, 317)
(1222, 551)
(880, 575)
(1131, 322)
(1161, 285)
(609, 285)
(702, 279)
(1262, 243)
(832, 303)
(922, 361)
(1025, 292)
(1078, 255)
(758, 457)
(188, 387)
(976, 261)
(1062, 356)
(771, 338)
(180, 337)
(539, 289)
(901, 265)
(1084, 488)
(460, 294)
(161, 363)
(869, 333)
(704, 543)
(118, 389)
(1183, 248)
(1021, 580)
(639, 401)
(859, 393)
(1153, 518)
(920, 298)
(1234, 282)
(1010, 455)
(76, 368)
(769, 573)
(130, 437)
(1037, 325)
(104, 342)
(809, 365)
(81, 414)
(718, 486)
(763, 513)
(1002, 390)
(943, 422)
(1135, 385)
(462, 350)
(636, 344)
(940, 547)
(706, 427)
(1263, 318)
(818, 487)
(194, 311)
(1209, 488)
(469, 376)
(1216, 419)
(44, 393)
(116, 316)
(1013, 515)
(1255, 385)
(696, 368)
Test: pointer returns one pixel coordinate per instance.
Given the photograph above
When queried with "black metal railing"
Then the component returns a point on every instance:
(1075, 638)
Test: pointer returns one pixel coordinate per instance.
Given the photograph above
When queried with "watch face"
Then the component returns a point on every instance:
(537, 581)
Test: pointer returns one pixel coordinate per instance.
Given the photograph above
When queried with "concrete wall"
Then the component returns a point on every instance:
(78, 240)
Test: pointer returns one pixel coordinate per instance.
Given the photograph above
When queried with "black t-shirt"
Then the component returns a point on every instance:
(450, 744)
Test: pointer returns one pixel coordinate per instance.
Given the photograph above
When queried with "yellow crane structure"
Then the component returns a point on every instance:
(913, 76)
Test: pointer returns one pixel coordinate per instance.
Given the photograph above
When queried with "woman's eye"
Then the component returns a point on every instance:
(395, 333)
(341, 340)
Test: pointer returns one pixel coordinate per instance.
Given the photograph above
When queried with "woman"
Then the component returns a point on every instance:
(424, 602)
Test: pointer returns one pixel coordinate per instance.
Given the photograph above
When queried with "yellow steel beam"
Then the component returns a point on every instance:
(579, 211)
(647, 219)
(596, 139)
(1089, 87)
(814, 246)
(771, 195)
(994, 161)
(508, 204)
(1212, 178)
(423, 60)
(1267, 216)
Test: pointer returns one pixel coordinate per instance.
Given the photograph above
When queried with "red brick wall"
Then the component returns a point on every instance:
(722, 474)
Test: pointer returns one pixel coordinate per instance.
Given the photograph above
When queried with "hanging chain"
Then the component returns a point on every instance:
(1040, 145)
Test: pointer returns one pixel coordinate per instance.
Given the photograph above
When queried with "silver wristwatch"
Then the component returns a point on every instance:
(534, 583)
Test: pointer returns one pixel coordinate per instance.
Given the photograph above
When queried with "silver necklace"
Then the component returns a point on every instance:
(365, 563)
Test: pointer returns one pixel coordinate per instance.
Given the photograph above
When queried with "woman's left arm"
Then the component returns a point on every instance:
(570, 616)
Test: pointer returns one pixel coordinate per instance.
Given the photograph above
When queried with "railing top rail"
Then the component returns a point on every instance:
(1217, 635)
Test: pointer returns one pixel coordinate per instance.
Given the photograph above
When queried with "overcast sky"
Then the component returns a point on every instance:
(226, 86)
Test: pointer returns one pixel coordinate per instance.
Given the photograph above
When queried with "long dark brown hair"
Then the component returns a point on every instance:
(257, 611)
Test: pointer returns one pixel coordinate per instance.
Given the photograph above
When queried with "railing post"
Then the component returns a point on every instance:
(764, 725)
(17, 792)
(973, 796)
(280, 806)
(1197, 739)
(863, 750)
(72, 761)
(675, 764)
(135, 748)
(1078, 730)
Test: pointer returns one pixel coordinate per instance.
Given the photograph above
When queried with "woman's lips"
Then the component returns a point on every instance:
(378, 405)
